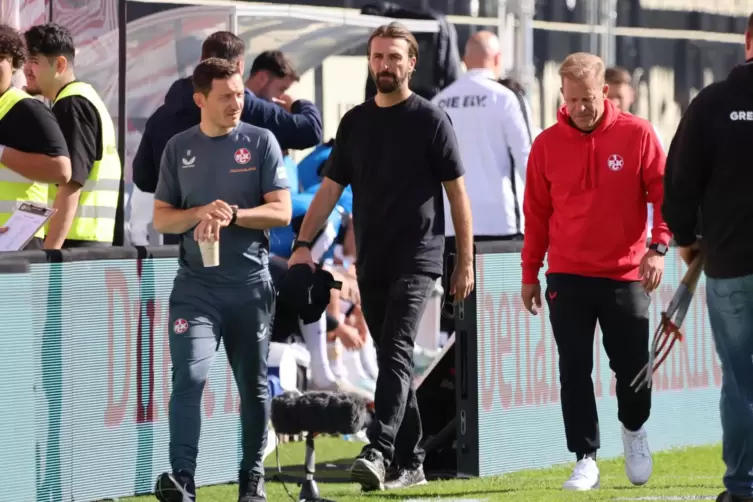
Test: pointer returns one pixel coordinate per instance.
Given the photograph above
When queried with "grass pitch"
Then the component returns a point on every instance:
(686, 474)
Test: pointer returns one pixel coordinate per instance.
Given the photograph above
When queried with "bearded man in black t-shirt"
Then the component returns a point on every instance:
(397, 151)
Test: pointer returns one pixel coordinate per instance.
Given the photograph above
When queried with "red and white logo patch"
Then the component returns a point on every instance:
(180, 326)
(615, 162)
(242, 156)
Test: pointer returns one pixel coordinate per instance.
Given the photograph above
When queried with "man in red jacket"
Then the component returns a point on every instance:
(588, 181)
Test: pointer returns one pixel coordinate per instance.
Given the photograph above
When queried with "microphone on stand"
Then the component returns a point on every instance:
(318, 413)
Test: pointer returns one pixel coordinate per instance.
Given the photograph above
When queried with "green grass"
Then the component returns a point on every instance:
(691, 473)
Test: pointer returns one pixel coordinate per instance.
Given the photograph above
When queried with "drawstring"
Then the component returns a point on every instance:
(589, 175)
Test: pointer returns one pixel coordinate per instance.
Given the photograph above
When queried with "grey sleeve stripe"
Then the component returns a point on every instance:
(101, 185)
(98, 212)
(9, 176)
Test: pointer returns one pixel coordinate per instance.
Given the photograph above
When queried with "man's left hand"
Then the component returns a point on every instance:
(689, 253)
(651, 270)
(462, 281)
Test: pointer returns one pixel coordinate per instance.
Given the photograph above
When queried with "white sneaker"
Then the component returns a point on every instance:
(585, 476)
(638, 461)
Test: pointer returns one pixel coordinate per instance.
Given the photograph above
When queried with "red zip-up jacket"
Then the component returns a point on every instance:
(586, 196)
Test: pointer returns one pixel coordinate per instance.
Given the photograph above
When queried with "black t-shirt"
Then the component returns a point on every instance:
(396, 159)
(82, 129)
(31, 127)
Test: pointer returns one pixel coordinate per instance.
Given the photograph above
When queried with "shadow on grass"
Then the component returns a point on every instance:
(334, 471)
(402, 495)
(671, 486)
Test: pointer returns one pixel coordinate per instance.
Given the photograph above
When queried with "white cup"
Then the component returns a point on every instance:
(210, 253)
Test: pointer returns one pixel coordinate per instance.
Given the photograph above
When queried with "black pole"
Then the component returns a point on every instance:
(118, 238)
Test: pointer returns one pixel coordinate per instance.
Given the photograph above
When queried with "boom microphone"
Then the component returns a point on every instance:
(317, 413)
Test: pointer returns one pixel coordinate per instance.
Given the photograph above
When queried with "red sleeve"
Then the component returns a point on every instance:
(537, 209)
(654, 161)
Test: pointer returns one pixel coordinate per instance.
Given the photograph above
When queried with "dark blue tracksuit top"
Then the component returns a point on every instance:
(294, 131)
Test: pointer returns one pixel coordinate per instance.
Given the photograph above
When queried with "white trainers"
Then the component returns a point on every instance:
(638, 461)
(585, 476)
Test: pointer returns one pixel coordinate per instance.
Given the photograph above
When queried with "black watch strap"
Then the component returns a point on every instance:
(659, 248)
(302, 244)
(234, 217)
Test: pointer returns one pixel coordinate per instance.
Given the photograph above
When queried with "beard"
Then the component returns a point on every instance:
(387, 82)
(32, 88)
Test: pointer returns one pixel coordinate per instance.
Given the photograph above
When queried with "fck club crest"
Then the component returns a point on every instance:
(242, 156)
(180, 326)
(615, 162)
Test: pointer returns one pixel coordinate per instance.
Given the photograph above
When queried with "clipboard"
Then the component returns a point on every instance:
(26, 220)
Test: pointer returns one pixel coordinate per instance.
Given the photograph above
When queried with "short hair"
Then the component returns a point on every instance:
(223, 45)
(12, 44)
(397, 31)
(210, 70)
(582, 65)
(50, 40)
(513, 85)
(275, 63)
(617, 75)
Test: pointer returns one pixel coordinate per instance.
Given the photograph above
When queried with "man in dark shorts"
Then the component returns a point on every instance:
(397, 150)
(221, 180)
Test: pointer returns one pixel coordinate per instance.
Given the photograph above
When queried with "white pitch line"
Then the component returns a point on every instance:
(537, 479)
(677, 497)
(444, 499)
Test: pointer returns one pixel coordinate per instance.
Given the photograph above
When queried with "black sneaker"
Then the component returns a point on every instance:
(175, 487)
(368, 470)
(407, 478)
(251, 487)
(391, 473)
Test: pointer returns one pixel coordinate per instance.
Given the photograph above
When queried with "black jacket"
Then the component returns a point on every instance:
(295, 131)
(709, 175)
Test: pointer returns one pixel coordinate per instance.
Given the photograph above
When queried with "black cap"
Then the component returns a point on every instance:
(307, 291)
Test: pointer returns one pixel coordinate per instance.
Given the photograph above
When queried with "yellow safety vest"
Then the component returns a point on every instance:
(95, 216)
(15, 188)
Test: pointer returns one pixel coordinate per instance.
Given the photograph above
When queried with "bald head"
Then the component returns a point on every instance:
(483, 51)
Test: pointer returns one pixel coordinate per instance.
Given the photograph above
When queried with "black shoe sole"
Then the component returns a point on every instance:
(365, 475)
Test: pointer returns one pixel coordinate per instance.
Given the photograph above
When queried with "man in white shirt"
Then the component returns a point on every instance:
(622, 95)
(494, 141)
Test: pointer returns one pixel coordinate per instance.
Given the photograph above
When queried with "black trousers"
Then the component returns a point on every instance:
(393, 311)
(576, 303)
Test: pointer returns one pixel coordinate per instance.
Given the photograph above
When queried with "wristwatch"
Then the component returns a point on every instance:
(301, 244)
(234, 218)
(660, 249)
